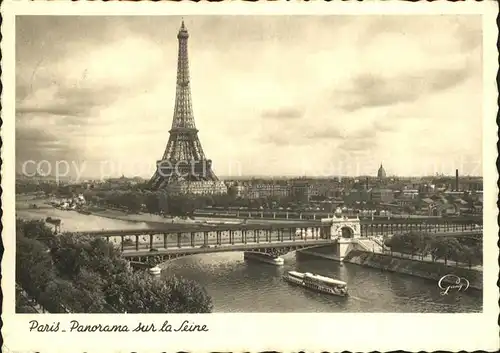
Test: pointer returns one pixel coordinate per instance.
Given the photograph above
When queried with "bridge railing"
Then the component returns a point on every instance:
(225, 248)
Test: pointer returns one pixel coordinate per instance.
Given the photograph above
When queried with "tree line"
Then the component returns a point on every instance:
(458, 249)
(82, 274)
(160, 202)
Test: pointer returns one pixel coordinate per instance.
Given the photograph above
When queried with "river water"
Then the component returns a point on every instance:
(236, 285)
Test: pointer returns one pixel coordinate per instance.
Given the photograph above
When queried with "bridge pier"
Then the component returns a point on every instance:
(346, 231)
(342, 248)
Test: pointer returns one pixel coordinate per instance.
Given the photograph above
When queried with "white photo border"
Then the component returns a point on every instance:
(260, 332)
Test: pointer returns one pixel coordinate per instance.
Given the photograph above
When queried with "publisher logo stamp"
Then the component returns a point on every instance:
(450, 283)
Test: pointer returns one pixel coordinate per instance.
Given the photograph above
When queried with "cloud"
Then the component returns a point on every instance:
(282, 135)
(382, 126)
(356, 144)
(36, 137)
(71, 102)
(469, 32)
(283, 113)
(371, 90)
(260, 92)
(37, 145)
(325, 132)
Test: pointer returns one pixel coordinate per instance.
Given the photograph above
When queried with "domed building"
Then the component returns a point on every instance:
(381, 172)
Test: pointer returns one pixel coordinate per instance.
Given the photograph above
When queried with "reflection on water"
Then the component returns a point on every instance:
(239, 286)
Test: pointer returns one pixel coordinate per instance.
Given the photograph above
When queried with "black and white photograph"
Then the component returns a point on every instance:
(249, 163)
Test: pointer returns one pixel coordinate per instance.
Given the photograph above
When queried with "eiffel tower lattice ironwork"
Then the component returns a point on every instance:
(183, 159)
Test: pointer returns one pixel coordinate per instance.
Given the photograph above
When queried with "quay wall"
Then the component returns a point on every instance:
(413, 267)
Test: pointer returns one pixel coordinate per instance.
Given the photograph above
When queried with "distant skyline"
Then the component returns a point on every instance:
(283, 96)
(264, 177)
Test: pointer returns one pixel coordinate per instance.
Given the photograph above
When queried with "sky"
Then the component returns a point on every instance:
(272, 95)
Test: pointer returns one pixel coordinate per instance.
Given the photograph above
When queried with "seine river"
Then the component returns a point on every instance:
(240, 286)
(236, 285)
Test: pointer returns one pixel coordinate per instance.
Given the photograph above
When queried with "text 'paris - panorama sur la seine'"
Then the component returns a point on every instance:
(76, 326)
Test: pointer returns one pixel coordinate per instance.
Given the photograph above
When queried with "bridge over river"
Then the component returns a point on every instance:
(274, 239)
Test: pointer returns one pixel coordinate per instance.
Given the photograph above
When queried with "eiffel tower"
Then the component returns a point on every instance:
(183, 159)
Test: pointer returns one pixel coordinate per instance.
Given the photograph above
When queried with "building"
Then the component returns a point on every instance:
(267, 189)
(413, 193)
(239, 189)
(405, 200)
(381, 195)
(197, 187)
(357, 196)
(381, 172)
(300, 190)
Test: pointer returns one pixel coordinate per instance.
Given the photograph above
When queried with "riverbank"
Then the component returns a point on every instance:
(324, 252)
(152, 219)
(423, 269)
(136, 217)
(24, 208)
(97, 218)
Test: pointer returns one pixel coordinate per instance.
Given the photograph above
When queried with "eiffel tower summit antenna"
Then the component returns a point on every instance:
(183, 159)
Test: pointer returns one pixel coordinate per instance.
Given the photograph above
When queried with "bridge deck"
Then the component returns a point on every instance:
(249, 227)
(228, 247)
(189, 228)
(309, 215)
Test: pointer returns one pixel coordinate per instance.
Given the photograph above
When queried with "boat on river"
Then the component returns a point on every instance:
(154, 270)
(318, 283)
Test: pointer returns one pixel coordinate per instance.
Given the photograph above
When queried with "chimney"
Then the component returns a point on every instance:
(456, 179)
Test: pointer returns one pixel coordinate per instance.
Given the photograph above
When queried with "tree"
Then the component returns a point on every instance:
(478, 253)
(453, 249)
(72, 253)
(389, 243)
(426, 245)
(132, 201)
(85, 274)
(415, 242)
(408, 209)
(68, 255)
(468, 255)
(439, 250)
(60, 296)
(33, 229)
(396, 243)
(34, 266)
(152, 203)
(90, 291)
(144, 294)
(186, 296)
(22, 303)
